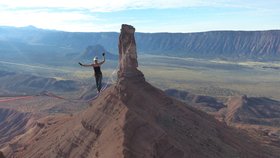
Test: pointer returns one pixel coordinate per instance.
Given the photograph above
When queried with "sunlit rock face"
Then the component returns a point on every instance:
(127, 54)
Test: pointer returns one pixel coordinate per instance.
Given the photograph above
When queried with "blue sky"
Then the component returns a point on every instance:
(145, 15)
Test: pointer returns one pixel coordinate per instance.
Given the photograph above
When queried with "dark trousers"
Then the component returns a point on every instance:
(98, 80)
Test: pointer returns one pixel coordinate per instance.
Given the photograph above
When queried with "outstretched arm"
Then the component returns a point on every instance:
(85, 65)
(102, 62)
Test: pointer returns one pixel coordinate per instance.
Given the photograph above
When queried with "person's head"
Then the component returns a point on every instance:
(95, 59)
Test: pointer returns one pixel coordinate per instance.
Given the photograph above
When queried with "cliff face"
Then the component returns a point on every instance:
(228, 44)
(225, 44)
(127, 49)
(127, 54)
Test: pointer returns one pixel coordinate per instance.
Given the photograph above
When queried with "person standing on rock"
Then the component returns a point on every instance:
(97, 71)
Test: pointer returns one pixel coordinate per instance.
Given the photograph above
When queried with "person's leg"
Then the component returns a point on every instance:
(100, 83)
(97, 81)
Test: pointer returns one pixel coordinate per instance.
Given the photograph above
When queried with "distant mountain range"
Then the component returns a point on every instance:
(229, 45)
(97, 50)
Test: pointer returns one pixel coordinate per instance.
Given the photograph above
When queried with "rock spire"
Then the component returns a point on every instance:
(127, 54)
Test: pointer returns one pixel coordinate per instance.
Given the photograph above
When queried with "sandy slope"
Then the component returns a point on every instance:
(13, 123)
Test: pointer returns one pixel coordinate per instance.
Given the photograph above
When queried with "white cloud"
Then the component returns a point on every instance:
(45, 19)
(108, 5)
(82, 15)
(116, 5)
(68, 14)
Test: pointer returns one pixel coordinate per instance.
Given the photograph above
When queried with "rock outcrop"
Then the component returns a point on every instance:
(127, 53)
(252, 110)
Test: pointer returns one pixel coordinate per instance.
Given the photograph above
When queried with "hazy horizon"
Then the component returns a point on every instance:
(136, 30)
